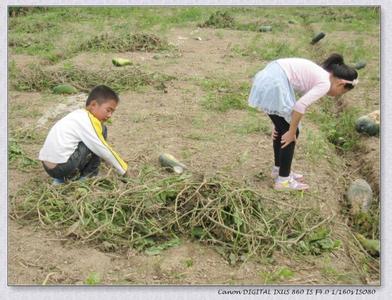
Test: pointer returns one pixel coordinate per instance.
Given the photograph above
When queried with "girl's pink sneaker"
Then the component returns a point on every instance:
(295, 176)
(290, 184)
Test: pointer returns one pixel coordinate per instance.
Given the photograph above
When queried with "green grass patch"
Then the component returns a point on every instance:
(355, 49)
(199, 136)
(93, 278)
(269, 49)
(356, 19)
(367, 223)
(27, 135)
(18, 157)
(40, 34)
(316, 147)
(333, 275)
(339, 129)
(224, 94)
(253, 123)
(36, 30)
(282, 274)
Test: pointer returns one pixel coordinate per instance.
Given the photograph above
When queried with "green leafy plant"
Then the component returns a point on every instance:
(93, 279)
(317, 242)
(18, 156)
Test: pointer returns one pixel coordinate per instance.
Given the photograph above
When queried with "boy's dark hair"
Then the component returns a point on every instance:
(101, 94)
(335, 65)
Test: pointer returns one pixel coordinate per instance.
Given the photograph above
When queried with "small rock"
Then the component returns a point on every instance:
(360, 196)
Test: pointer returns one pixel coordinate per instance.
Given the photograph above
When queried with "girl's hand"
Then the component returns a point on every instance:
(274, 134)
(288, 138)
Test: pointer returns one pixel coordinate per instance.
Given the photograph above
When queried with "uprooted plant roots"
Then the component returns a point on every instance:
(153, 208)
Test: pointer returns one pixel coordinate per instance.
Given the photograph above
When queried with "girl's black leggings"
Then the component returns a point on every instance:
(283, 156)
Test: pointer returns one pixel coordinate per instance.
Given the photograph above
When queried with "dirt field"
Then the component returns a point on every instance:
(177, 119)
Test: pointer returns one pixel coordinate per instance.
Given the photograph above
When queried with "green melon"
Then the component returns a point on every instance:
(64, 89)
(369, 124)
(169, 162)
(265, 28)
(371, 246)
(119, 62)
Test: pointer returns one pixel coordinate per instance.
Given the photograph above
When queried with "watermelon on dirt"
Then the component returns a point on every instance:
(64, 89)
(369, 124)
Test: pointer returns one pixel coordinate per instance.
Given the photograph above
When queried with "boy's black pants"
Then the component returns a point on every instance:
(82, 161)
(283, 156)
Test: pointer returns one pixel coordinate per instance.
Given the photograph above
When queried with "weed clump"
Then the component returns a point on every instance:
(146, 212)
(36, 78)
(126, 42)
(219, 19)
(339, 129)
(17, 156)
(223, 95)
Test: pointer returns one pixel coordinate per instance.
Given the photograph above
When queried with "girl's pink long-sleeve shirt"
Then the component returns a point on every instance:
(306, 77)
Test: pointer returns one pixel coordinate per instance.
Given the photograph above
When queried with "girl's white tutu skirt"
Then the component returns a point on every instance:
(272, 92)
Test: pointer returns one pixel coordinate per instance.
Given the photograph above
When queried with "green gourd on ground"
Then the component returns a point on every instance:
(169, 162)
(371, 246)
(119, 62)
(369, 124)
(265, 28)
(64, 89)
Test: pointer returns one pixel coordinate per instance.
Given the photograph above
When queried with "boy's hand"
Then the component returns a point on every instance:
(124, 178)
(288, 138)
(274, 134)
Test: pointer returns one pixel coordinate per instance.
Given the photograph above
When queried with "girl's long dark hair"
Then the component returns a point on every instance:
(335, 65)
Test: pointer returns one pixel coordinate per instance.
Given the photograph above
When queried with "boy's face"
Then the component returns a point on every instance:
(103, 111)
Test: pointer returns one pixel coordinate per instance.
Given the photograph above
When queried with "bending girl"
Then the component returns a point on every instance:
(273, 92)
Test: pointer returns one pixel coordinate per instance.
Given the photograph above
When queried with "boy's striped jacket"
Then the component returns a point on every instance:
(79, 126)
